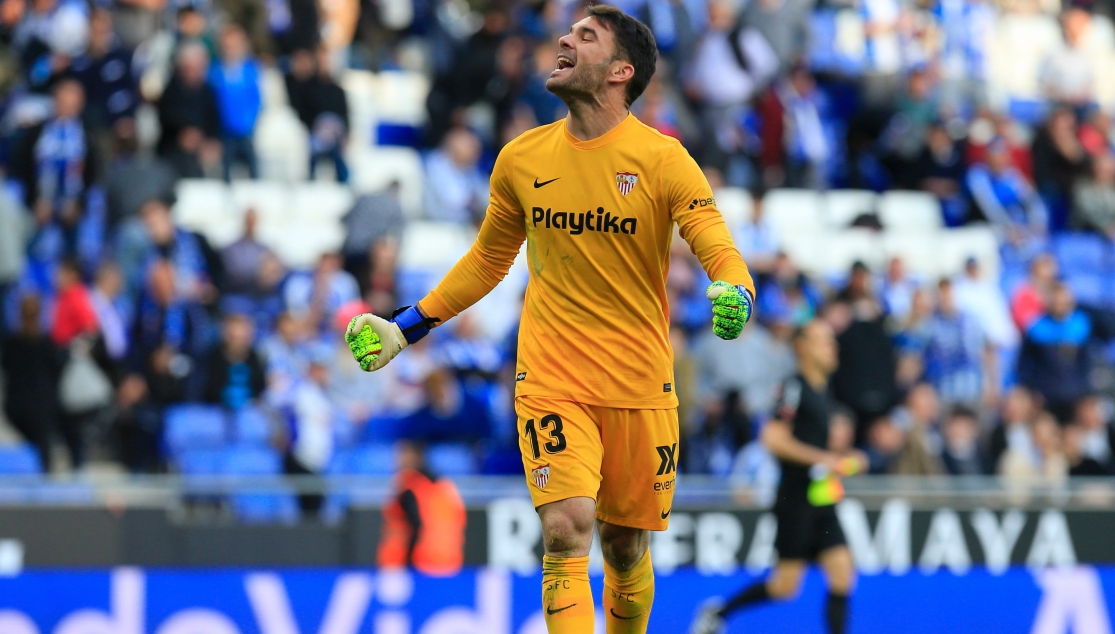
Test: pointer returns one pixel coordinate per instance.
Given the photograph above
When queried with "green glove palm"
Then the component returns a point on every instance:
(731, 308)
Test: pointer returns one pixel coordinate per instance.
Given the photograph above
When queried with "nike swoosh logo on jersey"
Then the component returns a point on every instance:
(552, 611)
(543, 183)
(667, 512)
(625, 618)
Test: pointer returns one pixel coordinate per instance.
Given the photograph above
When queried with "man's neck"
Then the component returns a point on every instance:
(588, 121)
(815, 377)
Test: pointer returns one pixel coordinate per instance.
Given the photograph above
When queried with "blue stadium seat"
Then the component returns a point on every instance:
(1091, 290)
(451, 460)
(264, 507)
(370, 459)
(21, 459)
(252, 427)
(1081, 253)
(194, 427)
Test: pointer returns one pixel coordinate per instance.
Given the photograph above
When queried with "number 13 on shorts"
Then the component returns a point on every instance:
(625, 459)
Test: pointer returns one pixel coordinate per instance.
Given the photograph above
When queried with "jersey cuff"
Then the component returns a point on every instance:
(436, 308)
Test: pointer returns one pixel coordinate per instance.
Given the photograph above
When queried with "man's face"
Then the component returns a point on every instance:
(817, 347)
(584, 58)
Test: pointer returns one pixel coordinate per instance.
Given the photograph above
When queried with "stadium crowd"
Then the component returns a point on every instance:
(117, 319)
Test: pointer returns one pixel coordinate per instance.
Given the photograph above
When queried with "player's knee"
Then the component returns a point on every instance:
(841, 581)
(784, 587)
(567, 530)
(622, 546)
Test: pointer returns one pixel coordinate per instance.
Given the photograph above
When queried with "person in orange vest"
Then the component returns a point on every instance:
(424, 524)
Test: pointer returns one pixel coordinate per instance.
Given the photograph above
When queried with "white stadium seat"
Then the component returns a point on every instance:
(270, 199)
(282, 145)
(400, 97)
(736, 205)
(957, 245)
(201, 201)
(842, 206)
(320, 201)
(433, 246)
(910, 211)
(272, 88)
(919, 252)
(792, 211)
(373, 171)
(360, 92)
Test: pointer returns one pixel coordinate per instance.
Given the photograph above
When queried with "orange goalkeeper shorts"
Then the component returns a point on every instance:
(625, 459)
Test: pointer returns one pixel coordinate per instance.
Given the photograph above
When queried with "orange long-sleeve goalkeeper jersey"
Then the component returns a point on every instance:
(598, 219)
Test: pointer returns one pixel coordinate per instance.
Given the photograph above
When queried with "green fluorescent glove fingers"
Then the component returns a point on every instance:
(730, 310)
(365, 345)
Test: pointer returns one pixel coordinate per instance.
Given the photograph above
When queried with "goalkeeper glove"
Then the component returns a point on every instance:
(374, 341)
(731, 308)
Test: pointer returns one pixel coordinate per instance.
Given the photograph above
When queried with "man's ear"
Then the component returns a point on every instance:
(620, 72)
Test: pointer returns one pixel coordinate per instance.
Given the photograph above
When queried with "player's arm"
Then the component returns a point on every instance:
(374, 341)
(702, 226)
(778, 437)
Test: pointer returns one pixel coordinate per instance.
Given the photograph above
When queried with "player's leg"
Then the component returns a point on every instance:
(636, 496)
(840, 576)
(628, 578)
(566, 595)
(561, 448)
(783, 584)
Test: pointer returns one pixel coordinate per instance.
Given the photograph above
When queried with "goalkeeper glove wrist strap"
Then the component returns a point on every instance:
(411, 322)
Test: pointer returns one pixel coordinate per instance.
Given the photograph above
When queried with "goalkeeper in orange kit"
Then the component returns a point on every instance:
(596, 197)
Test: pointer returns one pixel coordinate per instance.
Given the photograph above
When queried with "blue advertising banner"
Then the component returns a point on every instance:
(1075, 599)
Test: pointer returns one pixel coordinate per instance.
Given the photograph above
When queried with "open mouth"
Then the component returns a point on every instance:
(564, 62)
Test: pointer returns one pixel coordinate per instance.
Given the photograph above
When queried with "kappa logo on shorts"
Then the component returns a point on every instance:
(540, 475)
(668, 455)
(522, 376)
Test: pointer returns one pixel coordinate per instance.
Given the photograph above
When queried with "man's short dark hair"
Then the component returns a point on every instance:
(634, 43)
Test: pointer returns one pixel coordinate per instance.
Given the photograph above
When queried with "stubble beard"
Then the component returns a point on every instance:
(582, 87)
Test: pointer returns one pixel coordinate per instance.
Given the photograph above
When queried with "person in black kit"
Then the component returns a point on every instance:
(808, 529)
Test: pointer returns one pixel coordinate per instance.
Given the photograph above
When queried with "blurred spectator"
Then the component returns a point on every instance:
(456, 189)
(322, 106)
(940, 170)
(15, 231)
(244, 260)
(1093, 435)
(786, 295)
(164, 320)
(235, 82)
(187, 251)
(188, 116)
(51, 33)
(235, 372)
(316, 297)
(1059, 161)
(137, 20)
(1006, 200)
(112, 313)
(1055, 361)
(1031, 297)
(912, 338)
(726, 429)
(32, 367)
(293, 25)
(56, 162)
(898, 291)
(885, 442)
(1052, 464)
(424, 523)
(1094, 198)
(784, 25)
(1068, 74)
(73, 309)
(133, 177)
(757, 239)
(808, 148)
(1013, 433)
(982, 297)
(1095, 133)
(959, 362)
(919, 418)
(375, 219)
(907, 132)
(107, 74)
(866, 378)
(720, 371)
(313, 435)
(286, 351)
(451, 413)
(960, 452)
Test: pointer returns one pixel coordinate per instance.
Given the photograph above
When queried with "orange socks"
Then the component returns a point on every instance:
(628, 597)
(567, 597)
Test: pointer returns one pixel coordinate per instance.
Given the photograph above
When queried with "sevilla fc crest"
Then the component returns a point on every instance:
(626, 182)
(541, 476)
